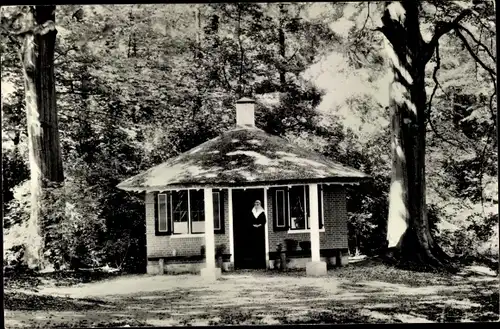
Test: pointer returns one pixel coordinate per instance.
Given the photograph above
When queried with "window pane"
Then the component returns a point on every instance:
(216, 205)
(179, 212)
(162, 212)
(280, 208)
(308, 211)
(297, 208)
(197, 205)
(320, 206)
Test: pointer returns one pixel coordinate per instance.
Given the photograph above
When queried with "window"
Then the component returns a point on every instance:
(180, 217)
(280, 208)
(217, 210)
(299, 214)
(291, 208)
(183, 212)
(197, 211)
(162, 213)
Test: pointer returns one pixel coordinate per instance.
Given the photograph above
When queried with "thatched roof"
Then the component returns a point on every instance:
(242, 157)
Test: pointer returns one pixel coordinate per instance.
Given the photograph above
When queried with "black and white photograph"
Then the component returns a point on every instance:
(249, 163)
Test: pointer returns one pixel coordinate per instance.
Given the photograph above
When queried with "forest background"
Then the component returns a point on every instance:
(138, 84)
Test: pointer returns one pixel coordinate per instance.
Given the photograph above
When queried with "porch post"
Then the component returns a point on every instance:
(266, 227)
(230, 216)
(316, 267)
(210, 271)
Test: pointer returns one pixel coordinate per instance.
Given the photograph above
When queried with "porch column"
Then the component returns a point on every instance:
(230, 216)
(266, 228)
(315, 267)
(210, 272)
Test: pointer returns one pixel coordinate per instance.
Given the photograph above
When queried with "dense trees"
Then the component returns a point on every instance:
(137, 84)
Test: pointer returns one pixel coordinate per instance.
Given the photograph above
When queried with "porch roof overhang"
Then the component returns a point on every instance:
(243, 157)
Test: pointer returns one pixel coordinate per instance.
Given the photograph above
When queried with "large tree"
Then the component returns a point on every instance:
(408, 232)
(32, 28)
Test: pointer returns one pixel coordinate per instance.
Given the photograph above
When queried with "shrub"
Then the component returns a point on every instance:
(220, 249)
(305, 245)
(473, 239)
(291, 244)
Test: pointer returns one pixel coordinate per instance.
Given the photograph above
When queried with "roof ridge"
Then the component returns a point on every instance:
(261, 157)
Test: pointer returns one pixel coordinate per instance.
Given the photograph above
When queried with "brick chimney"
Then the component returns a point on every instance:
(245, 112)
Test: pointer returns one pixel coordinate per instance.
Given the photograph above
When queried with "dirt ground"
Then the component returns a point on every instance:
(369, 293)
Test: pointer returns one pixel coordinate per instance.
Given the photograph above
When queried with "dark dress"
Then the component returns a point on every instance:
(256, 241)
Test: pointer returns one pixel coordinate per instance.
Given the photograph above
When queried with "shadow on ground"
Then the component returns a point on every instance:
(373, 294)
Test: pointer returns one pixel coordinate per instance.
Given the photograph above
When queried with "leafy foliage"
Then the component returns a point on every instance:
(138, 84)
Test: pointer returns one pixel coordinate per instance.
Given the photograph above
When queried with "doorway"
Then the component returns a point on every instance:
(249, 241)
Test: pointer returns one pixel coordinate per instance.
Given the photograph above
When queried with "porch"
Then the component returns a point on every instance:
(244, 247)
(295, 260)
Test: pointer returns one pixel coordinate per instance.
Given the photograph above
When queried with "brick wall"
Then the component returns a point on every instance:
(162, 246)
(335, 222)
(335, 217)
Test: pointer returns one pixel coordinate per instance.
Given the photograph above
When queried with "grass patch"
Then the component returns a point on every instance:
(235, 317)
(372, 269)
(31, 302)
(335, 316)
(27, 281)
(102, 324)
(33, 280)
(366, 292)
(489, 305)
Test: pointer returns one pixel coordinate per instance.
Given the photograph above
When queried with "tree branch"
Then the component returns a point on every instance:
(456, 144)
(11, 38)
(64, 53)
(38, 29)
(441, 29)
(290, 58)
(478, 42)
(476, 58)
(367, 16)
(434, 78)
(491, 105)
(429, 104)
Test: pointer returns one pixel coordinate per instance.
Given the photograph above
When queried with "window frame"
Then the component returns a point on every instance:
(288, 218)
(306, 213)
(221, 209)
(285, 205)
(188, 223)
(157, 217)
(190, 219)
(169, 215)
(321, 208)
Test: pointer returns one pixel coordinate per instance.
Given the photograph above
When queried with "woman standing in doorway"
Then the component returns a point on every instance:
(259, 216)
(257, 220)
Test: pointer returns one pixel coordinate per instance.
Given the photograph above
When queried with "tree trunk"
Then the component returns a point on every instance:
(408, 234)
(37, 57)
(282, 49)
(240, 91)
(197, 19)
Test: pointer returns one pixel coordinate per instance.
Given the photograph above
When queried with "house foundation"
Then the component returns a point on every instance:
(211, 274)
(182, 267)
(317, 268)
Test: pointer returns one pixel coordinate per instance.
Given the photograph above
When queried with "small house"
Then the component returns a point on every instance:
(198, 205)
